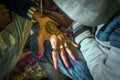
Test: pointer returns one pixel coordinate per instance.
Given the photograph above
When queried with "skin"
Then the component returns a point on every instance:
(55, 39)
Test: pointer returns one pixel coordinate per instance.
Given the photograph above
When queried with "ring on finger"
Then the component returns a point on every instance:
(66, 46)
(61, 46)
(55, 49)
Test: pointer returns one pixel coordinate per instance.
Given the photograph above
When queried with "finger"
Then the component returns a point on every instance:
(74, 44)
(65, 38)
(70, 52)
(62, 37)
(62, 53)
(64, 58)
(55, 59)
(54, 41)
(40, 47)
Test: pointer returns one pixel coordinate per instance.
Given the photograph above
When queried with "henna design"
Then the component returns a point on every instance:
(51, 28)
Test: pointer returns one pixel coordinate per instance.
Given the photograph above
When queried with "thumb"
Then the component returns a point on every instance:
(40, 47)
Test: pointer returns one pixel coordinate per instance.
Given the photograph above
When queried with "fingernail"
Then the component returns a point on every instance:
(68, 66)
(75, 59)
(39, 55)
(56, 68)
(78, 46)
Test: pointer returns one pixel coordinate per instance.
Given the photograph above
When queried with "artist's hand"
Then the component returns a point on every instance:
(59, 41)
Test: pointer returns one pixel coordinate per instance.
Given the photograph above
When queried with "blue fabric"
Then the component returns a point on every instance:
(111, 32)
(115, 38)
(19, 6)
(78, 70)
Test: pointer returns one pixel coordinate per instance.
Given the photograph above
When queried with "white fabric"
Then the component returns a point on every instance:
(82, 36)
(89, 12)
(102, 60)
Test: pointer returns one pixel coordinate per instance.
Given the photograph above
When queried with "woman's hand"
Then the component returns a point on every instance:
(59, 41)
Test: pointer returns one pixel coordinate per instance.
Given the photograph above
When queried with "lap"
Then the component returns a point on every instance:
(46, 61)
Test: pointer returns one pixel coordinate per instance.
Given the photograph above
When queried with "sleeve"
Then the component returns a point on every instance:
(24, 8)
(102, 61)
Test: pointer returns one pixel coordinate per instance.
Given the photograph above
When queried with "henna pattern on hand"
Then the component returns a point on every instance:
(51, 28)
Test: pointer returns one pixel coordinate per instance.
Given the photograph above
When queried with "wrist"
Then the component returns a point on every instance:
(37, 16)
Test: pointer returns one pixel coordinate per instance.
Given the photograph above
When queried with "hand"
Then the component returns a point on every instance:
(59, 18)
(59, 42)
